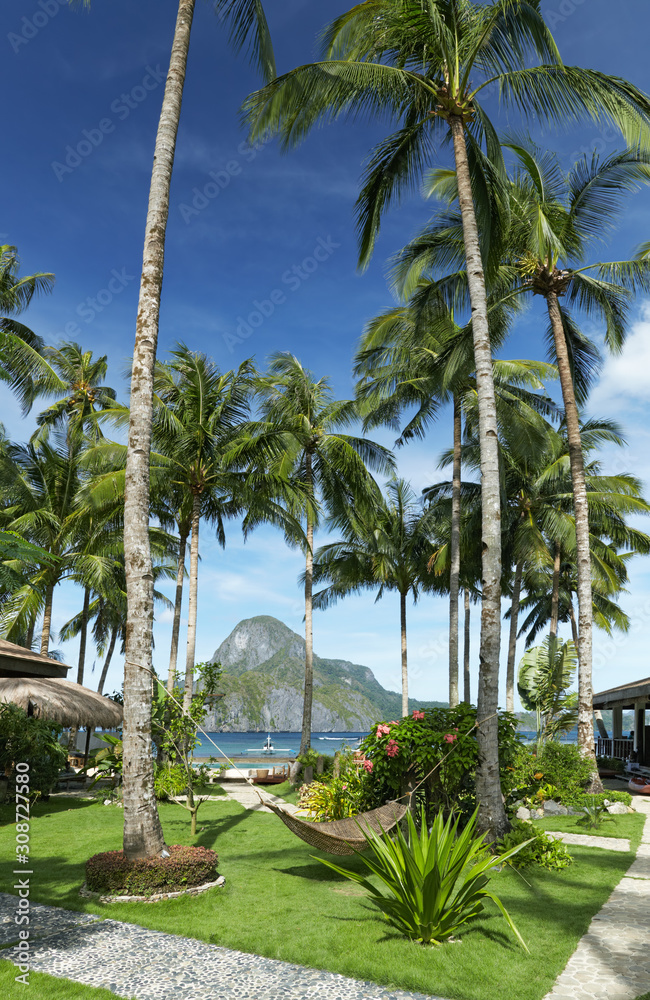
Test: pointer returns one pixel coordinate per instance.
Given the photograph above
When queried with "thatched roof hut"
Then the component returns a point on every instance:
(16, 661)
(61, 701)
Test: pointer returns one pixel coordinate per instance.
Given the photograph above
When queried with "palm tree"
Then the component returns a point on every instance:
(386, 546)
(427, 64)
(301, 431)
(40, 492)
(20, 348)
(143, 835)
(411, 357)
(197, 420)
(557, 218)
(83, 400)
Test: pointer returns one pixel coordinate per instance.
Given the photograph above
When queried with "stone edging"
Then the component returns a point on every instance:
(194, 890)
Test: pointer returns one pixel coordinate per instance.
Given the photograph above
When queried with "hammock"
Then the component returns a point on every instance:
(341, 836)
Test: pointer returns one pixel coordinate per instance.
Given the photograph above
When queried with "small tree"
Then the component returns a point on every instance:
(545, 673)
(174, 730)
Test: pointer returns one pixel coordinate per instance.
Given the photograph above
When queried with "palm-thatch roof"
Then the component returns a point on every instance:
(61, 701)
(16, 661)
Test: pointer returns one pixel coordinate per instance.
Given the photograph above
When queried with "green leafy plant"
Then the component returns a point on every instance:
(555, 764)
(28, 740)
(536, 848)
(107, 762)
(431, 883)
(545, 673)
(594, 813)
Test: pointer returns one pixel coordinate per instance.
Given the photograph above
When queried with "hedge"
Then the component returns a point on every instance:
(186, 866)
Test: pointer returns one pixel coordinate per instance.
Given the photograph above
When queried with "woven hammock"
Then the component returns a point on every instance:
(342, 836)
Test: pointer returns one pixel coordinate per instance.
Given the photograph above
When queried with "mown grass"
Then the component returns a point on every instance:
(629, 826)
(42, 987)
(280, 902)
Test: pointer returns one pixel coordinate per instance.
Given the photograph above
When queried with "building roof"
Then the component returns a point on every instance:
(16, 661)
(624, 696)
(61, 701)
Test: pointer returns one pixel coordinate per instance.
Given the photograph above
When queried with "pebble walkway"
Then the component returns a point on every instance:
(134, 962)
(612, 960)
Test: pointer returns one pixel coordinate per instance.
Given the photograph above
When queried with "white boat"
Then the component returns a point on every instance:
(268, 748)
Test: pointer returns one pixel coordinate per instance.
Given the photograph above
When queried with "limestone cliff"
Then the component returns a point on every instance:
(264, 667)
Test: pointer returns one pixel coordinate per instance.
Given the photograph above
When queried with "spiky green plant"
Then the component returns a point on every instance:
(431, 882)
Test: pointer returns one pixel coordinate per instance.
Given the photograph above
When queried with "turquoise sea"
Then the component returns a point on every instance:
(248, 744)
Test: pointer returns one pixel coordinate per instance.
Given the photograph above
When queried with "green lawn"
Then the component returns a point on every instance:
(629, 826)
(280, 902)
(46, 987)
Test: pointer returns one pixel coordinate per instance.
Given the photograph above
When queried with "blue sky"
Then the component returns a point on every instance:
(85, 91)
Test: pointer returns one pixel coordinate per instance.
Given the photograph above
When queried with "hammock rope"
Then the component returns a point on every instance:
(339, 836)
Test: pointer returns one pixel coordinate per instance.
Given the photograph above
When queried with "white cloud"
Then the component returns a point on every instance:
(625, 380)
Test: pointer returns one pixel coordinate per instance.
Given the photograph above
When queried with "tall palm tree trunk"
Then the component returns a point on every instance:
(305, 738)
(555, 590)
(454, 570)
(81, 662)
(107, 660)
(405, 671)
(491, 817)
(574, 627)
(143, 835)
(466, 641)
(188, 689)
(581, 513)
(47, 619)
(178, 604)
(512, 638)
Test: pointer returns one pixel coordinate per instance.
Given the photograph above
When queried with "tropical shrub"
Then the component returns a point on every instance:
(610, 764)
(580, 799)
(111, 872)
(405, 751)
(558, 765)
(430, 884)
(536, 847)
(594, 813)
(107, 762)
(27, 740)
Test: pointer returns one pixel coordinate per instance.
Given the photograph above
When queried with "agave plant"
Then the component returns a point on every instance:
(431, 882)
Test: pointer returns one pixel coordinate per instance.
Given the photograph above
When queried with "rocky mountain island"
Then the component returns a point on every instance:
(263, 677)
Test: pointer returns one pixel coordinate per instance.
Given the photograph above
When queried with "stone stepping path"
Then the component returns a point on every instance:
(612, 959)
(134, 962)
(583, 840)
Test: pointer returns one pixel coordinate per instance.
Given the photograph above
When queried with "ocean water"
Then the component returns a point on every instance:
(250, 744)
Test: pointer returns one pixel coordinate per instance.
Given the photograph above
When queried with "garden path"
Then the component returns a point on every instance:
(133, 961)
(246, 795)
(613, 958)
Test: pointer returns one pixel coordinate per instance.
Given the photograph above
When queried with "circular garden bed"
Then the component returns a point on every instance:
(186, 870)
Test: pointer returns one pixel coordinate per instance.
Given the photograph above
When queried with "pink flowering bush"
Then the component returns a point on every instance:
(402, 752)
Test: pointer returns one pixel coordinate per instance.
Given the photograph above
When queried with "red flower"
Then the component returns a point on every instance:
(392, 749)
(368, 765)
(383, 730)
(417, 714)
(449, 738)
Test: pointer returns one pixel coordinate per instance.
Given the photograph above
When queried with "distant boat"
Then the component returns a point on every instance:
(268, 748)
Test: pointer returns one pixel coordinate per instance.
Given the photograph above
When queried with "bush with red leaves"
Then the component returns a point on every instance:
(111, 872)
